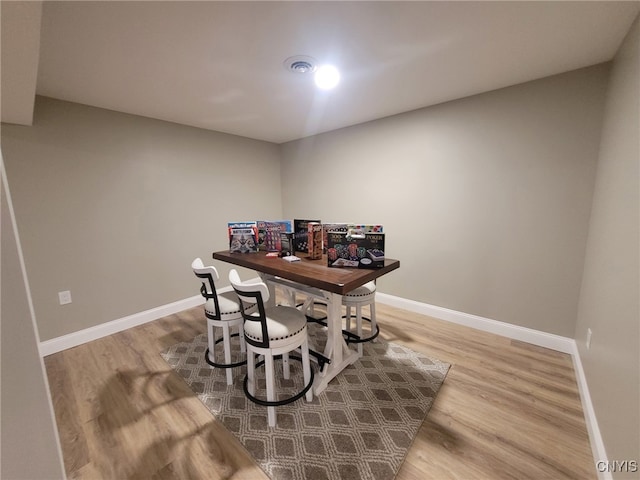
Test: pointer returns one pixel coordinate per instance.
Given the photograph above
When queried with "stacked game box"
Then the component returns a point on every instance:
(314, 240)
(347, 227)
(301, 235)
(365, 228)
(332, 227)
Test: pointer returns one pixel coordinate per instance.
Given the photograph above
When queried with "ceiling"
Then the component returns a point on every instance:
(219, 65)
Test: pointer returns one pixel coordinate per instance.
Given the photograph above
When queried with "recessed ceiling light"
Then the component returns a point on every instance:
(327, 77)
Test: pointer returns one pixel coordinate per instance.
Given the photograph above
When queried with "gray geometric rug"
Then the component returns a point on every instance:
(360, 427)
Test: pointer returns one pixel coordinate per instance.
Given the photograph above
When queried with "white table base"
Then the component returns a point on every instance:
(336, 350)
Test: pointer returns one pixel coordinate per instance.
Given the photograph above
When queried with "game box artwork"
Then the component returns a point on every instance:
(365, 250)
(314, 240)
(301, 235)
(243, 237)
(344, 228)
(269, 234)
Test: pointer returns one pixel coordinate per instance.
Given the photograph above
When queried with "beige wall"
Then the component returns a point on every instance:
(611, 287)
(485, 200)
(25, 410)
(114, 207)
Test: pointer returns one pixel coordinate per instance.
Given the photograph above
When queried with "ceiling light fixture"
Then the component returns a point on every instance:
(327, 77)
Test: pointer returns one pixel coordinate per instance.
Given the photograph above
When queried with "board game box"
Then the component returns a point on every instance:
(366, 228)
(301, 234)
(332, 227)
(346, 227)
(314, 240)
(364, 250)
(269, 234)
(286, 244)
(243, 237)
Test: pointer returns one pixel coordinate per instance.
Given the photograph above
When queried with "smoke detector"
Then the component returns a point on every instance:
(300, 64)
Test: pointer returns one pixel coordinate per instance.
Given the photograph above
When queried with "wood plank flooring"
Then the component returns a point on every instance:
(507, 409)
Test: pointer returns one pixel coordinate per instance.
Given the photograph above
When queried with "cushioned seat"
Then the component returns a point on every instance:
(363, 293)
(282, 323)
(229, 305)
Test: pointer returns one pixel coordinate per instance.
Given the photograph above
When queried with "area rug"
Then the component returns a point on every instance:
(360, 427)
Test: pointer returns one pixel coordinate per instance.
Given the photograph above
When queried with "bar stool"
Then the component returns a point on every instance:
(364, 296)
(272, 332)
(222, 311)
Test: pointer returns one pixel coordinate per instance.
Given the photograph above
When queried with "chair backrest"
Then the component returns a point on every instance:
(251, 294)
(209, 276)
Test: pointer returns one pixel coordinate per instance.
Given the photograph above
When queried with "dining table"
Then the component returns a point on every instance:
(319, 282)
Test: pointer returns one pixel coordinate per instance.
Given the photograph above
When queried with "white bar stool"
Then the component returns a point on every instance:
(222, 311)
(364, 296)
(271, 331)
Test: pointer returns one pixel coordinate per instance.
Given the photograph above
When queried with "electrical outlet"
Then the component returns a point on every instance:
(588, 338)
(64, 297)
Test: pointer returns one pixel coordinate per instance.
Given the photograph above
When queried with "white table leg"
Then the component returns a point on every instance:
(336, 349)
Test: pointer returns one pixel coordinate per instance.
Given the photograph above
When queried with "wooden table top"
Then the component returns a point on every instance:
(314, 273)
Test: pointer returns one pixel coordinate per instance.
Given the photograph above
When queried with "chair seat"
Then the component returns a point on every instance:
(229, 306)
(360, 294)
(290, 321)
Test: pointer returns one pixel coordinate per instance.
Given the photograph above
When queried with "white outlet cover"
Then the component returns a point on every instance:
(64, 297)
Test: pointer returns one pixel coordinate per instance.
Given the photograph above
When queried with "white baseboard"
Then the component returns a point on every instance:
(535, 337)
(74, 339)
(529, 335)
(597, 445)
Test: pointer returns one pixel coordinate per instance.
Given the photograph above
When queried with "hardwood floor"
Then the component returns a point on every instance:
(507, 409)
